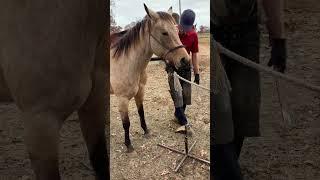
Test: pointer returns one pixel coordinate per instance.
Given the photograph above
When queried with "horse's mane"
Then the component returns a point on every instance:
(115, 36)
(123, 41)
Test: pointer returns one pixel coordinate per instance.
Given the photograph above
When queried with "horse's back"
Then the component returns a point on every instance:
(48, 50)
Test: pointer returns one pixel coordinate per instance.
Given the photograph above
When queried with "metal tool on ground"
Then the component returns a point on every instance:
(186, 152)
(286, 116)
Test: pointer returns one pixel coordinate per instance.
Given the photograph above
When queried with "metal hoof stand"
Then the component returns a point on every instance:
(186, 152)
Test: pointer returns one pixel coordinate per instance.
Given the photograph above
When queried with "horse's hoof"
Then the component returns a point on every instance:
(147, 136)
(147, 133)
(130, 149)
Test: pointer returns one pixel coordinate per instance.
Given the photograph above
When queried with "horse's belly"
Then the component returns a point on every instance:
(122, 84)
(124, 88)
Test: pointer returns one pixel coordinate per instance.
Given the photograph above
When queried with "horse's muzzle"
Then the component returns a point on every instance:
(184, 64)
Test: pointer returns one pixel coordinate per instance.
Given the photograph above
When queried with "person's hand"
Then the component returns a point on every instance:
(197, 78)
(278, 55)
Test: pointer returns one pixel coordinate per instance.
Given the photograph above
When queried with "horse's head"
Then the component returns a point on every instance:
(164, 38)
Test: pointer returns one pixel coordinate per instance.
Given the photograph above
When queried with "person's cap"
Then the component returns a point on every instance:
(187, 19)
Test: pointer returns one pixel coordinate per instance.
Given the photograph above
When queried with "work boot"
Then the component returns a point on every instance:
(182, 129)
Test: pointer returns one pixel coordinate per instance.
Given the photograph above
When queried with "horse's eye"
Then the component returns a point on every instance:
(165, 34)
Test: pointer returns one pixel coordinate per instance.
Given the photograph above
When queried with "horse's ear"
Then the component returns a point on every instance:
(170, 10)
(153, 15)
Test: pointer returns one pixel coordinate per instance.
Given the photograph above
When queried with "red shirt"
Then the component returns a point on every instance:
(190, 40)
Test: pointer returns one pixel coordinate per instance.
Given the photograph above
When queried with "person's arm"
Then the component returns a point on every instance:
(194, 59)
(275, 25)
(195, 63)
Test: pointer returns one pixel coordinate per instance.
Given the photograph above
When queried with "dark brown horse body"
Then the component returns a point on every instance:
(52, 63)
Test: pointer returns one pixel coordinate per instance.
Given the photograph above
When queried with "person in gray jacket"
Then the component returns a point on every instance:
(235, 114)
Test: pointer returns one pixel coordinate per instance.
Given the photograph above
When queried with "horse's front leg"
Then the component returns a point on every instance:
(42, 139)
(139, 103)
(93, 120)
(123, 109)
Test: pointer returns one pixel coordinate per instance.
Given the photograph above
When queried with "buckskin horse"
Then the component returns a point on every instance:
(130, 53)
(53, 62)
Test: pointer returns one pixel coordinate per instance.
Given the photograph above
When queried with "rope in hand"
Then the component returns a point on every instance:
(256, 66)
(183, 79)
(175, 74)
(259, 67)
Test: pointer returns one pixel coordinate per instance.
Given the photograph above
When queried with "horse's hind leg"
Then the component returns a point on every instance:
(92, 116)
(42, 139)
(123, 109)
(139, 102)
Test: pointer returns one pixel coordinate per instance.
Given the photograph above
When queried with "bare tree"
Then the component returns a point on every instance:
(132, 24)
(113, 25)
(204, 29)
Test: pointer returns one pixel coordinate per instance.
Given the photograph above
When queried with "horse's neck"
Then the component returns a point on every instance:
(142, 53)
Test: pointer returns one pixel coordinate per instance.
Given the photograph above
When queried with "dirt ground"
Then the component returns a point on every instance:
(284, 151)
(149, 161)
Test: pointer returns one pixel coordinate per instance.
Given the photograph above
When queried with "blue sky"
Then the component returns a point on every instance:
(126, 11)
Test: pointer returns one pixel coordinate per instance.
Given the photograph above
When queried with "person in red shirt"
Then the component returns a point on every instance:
(189, 38)
(182, 96)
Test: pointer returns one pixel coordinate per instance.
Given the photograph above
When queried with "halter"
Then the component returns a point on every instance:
(163, 57)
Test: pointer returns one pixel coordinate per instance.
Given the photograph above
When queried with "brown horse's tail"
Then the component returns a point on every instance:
(220, 79)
